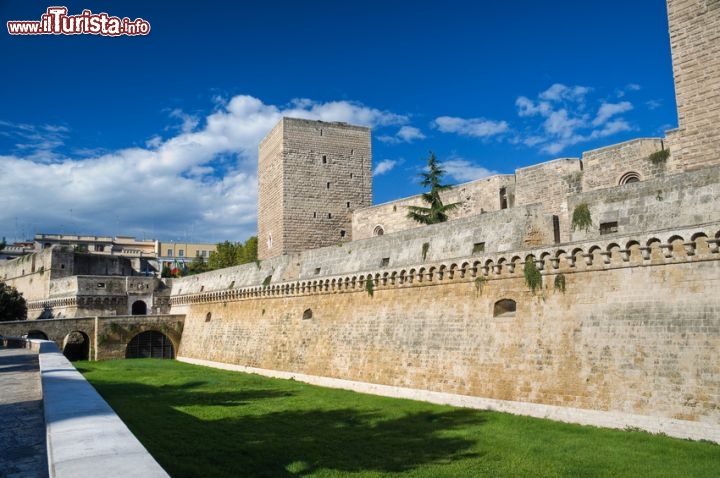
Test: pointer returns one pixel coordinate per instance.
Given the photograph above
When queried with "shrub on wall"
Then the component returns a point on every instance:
(560, 282)
(370, 286)
(659, 157)
(533, 278)
(581, 218)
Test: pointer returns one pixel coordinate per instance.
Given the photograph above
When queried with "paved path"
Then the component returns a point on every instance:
(22, 424)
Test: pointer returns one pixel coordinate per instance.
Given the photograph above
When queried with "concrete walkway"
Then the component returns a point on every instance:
(22, 423)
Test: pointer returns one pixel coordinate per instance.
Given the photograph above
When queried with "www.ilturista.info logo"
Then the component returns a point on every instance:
(57, 22)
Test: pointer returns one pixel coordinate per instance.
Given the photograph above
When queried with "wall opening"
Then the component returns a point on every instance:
(139, 307)
(385, 262)
(503, 198)
(556, 228)
(378, 231)
(478, 247)
(76, 346)
(307, 314)
(150, 344)
(324, 159)
(504, 308)
(208, 317)
(608, 227)
(37, 334)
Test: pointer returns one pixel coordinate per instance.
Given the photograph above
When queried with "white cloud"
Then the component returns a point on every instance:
(200, 183)
(476, 127)
(406, 134)
(653, 104)
(610, 109)
(560, 92)
(384, 166)
(189, 122)
(463, 170)
(410, 133)
(565, 119)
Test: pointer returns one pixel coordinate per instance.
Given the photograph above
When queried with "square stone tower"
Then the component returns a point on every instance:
(695, 42)
(312, 175)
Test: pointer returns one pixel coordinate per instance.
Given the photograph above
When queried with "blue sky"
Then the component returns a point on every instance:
(156, 136)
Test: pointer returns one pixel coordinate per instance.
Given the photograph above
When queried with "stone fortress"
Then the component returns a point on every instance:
(624, 329)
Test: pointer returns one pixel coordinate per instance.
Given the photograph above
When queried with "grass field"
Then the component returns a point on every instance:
(201, 422)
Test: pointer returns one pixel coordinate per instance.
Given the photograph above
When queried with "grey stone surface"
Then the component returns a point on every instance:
(22, 426)
(84, 434)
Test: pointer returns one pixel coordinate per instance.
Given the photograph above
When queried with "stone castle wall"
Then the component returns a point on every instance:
(663, 203)
(695, 43)
(475, 197)
(635, 331)
(548, 184)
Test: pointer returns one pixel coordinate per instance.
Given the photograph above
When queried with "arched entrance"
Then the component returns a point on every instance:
(37, 334)
(150, 344)
(76, 346)
(139, 307)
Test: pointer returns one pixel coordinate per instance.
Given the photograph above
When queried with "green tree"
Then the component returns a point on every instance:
(436, 211)
(228, 254)
(12, 304)
(198, 265)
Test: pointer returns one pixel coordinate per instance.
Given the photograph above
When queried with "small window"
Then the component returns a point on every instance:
(170, 252)
(208, 316)
(385, 262)
(307, 314)
(556, 229)
(181, 252)
(351, 175)
(348, 204)
(342, 232)
(204, 253)
(504, 308)
(99, 248)
(328, 185)
(100, 285)
(269, 241)
(608, 227)
(378, 231)
(324, 159)
(197, 253)
(315, 214)
(317, 270)
(478, 247)
(329, 215)
(503, 198)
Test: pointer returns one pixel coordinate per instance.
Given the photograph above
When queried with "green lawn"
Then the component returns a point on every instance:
(201, 422)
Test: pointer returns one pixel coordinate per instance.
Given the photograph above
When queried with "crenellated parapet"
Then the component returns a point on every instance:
(654, 249)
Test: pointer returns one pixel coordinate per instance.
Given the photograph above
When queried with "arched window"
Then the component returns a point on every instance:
(631, 177)
(504, 308)
(378, 231)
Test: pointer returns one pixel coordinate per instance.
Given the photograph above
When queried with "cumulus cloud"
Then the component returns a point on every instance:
(200, 183)
(566, 119)
(406, 134)
(607, 110)
(463, 170)
(384, 166)
(476, 127)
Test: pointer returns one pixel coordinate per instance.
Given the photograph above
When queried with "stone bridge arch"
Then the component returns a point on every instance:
(105, 337)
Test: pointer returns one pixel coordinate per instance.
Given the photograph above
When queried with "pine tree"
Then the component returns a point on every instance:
(436, 211)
